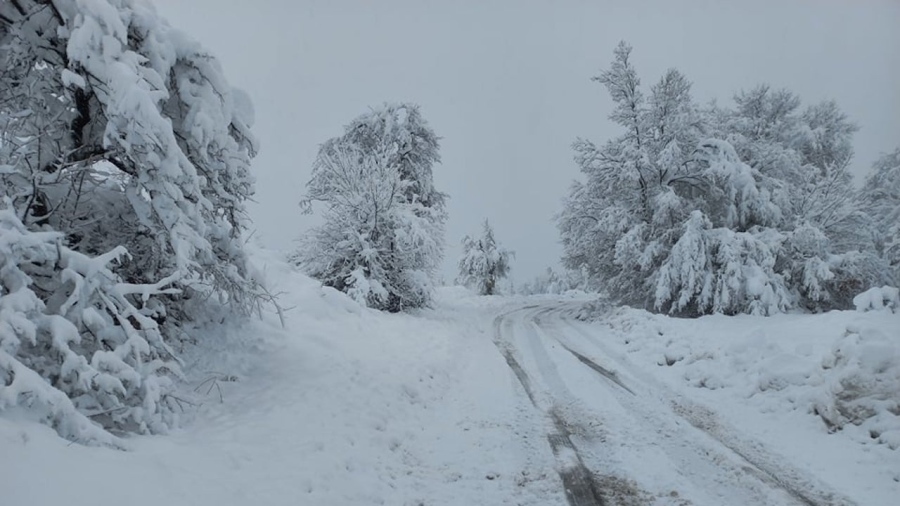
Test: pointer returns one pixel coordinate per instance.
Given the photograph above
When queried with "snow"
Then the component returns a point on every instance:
(824, 389)
(347, 405)
(70, 78)
(878, 298)
(382, 236)
(462, 399)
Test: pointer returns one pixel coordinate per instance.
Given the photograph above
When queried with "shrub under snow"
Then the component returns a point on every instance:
(74, 349)
(484, 263)
(878, 298)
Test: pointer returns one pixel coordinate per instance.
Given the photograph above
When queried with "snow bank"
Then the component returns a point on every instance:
(842, 367)
(860, 379)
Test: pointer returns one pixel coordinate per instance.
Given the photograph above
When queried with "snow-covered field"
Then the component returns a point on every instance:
(351, 406)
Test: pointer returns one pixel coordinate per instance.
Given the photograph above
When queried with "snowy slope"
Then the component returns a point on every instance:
(345, 406)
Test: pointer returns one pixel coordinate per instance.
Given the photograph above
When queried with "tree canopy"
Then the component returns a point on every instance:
(484, 262)
(383, 232)
(695, 210)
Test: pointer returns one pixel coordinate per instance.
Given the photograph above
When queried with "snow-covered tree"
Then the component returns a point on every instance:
(808, 153)
(382, 236)
(827, 255)
(76, 347)
(553, 282)
(124, 168)
(113, 113)
(484, 262)
(695, 210)
(881, 199)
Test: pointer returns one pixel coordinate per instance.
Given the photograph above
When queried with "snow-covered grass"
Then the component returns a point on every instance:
(344, 406)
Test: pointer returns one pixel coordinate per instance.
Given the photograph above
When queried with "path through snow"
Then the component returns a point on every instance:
(352, 407)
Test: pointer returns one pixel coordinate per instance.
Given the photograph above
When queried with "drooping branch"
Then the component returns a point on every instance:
(83, 118)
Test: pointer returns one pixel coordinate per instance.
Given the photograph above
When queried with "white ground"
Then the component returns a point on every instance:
(351, 407)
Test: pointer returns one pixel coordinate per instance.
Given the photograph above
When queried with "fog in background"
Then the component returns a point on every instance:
(506, 84)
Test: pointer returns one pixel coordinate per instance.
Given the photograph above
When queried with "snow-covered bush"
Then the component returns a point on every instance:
(382, 237)
(718, 270)
(713, 210)
(124, 158)
(877, 299)
(74, 347)
(484, 263)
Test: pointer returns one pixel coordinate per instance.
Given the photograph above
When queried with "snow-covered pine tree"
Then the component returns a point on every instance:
(124, 167)
(484, 263)
(382, 236)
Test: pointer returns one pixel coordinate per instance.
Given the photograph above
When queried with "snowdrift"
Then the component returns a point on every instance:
(842, 367)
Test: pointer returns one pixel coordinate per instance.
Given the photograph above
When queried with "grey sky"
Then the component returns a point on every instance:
(507, 85)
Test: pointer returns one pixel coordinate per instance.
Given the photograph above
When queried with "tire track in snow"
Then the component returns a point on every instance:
(606, 373)
(759, 462)
(511, 360)
(577, 481)
(701, 461)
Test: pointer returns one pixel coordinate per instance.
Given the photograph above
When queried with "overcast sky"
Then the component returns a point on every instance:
(506, 84)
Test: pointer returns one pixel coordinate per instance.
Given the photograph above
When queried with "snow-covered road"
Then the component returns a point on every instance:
(622, 437)
(481, 400)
